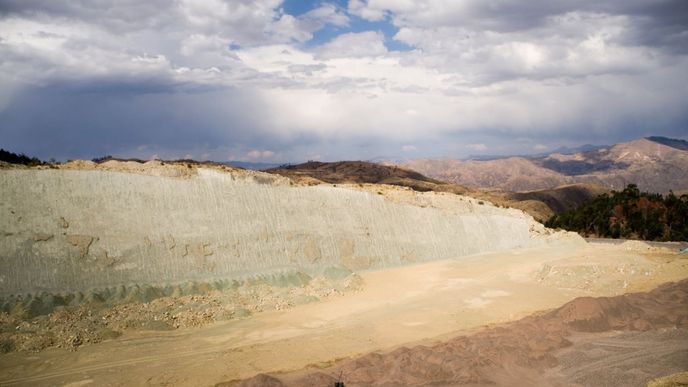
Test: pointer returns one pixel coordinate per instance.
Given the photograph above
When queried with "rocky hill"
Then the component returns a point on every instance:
(655, 164)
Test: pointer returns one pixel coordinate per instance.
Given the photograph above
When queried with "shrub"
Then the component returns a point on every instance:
(628, 214)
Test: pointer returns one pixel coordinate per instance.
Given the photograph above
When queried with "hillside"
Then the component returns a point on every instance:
(562, 198)
(102, 224)
(539, 204)
(672, 142)
(655, 164)
(359, 172)
(512, 174)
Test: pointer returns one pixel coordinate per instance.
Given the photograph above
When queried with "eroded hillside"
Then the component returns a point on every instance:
(87, 226)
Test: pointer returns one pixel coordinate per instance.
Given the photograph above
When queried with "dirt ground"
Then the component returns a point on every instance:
(620, 341)
(26, 327)
(420, 304)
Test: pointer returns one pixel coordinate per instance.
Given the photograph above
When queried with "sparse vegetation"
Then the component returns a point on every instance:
(629, 214)
(6, 345)
(102, 159)
(21, 158)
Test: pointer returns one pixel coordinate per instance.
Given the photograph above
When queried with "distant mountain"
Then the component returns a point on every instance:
(252, 165)
(583, 148)
(563, 150)
(655, 164)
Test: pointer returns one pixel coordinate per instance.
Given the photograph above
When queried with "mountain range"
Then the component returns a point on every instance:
(655, 164)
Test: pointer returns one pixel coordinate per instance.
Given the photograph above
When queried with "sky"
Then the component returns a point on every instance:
(288, 81)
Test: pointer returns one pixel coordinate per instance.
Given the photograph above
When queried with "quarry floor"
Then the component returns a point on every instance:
(421, 303)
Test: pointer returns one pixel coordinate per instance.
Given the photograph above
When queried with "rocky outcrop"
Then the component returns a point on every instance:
(76, 229)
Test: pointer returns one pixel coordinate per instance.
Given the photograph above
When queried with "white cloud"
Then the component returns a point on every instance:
(327, 14)
(354, 45)
(362, 9)
(240, 21)
(540, 147)
(287, 28)
(409, 148)
(480, 67)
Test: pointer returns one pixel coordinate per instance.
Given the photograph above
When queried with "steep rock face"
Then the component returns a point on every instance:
(71, 230)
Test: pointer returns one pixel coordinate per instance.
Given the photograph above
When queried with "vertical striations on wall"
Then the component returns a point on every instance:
(69, 230)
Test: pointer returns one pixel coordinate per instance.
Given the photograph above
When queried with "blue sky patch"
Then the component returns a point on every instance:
(356, 24)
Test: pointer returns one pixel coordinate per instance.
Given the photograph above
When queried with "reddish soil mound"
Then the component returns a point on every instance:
(521, 350)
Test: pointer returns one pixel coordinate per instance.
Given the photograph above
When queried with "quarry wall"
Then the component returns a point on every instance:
(71, 230)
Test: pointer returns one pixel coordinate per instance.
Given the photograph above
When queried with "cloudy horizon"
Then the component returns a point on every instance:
(289, 81)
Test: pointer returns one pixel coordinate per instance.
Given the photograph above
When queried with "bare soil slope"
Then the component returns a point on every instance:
(523, 350)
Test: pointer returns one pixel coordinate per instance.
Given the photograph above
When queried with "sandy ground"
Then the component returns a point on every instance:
(619, 341)
(407, 305)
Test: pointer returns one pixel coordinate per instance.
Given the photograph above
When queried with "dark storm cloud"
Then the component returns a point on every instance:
(122, 16)
(661, 24)
(654, 23)
(95, 118)
(512, 15)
